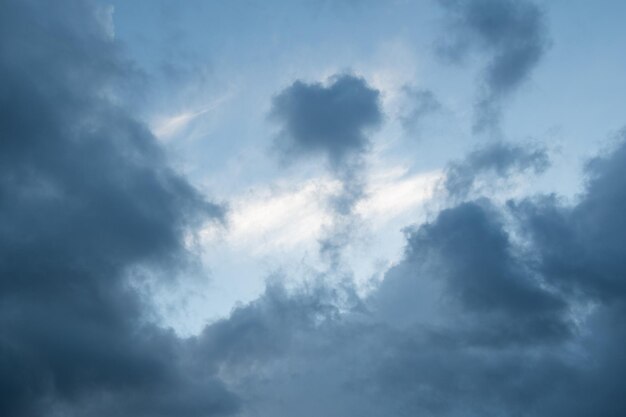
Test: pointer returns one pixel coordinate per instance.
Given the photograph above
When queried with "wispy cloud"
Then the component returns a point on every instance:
(265, 220)
(166, 127)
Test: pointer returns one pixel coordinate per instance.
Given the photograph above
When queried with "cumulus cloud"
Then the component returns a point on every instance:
(330, 120)
(496, 160)
(581, 247)
(512, 35)
(475, 319)
(86, 200)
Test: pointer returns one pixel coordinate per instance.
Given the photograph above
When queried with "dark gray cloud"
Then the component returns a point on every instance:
(474, 257)
(499, 160)
(513, 36)
(581, 247)
(86, 197)
(330, 120)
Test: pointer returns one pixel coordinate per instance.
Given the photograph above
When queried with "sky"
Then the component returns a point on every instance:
(312, 207)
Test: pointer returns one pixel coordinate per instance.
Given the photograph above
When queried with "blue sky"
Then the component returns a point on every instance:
(312, 208)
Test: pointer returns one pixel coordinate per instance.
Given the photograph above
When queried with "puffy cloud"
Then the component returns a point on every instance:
(330, 120)
(86, 200)
(476, 319)
(471, 252)
(513, 36)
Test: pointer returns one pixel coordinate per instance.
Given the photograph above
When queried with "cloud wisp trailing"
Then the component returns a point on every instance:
(331, 121)
(421, 103)
(498, 160)
(512, 35)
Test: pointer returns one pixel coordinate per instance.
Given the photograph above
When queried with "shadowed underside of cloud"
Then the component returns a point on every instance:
(476, 320)
(513, 37)
(86, 198)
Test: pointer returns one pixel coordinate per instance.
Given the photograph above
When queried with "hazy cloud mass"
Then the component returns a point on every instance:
(288, 209)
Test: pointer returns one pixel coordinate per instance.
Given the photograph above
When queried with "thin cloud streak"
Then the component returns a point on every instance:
(268, 221)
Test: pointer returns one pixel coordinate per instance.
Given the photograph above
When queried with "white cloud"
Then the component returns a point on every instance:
(392, 193)
(166, 127)
(104, 15)
(268, 220)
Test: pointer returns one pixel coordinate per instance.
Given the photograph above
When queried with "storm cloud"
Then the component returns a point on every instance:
(87, 201)
(473, 320)
(512, 35)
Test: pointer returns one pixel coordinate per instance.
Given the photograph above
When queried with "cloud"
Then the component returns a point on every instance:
(499, 160)
(331, 120)
(469, 252)
(87, 200)
(171, 125)
(493, 310)
(267, 220)
(581, 247)
(513, 37)
(168, 127)
(476, 319)
(391, 193)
